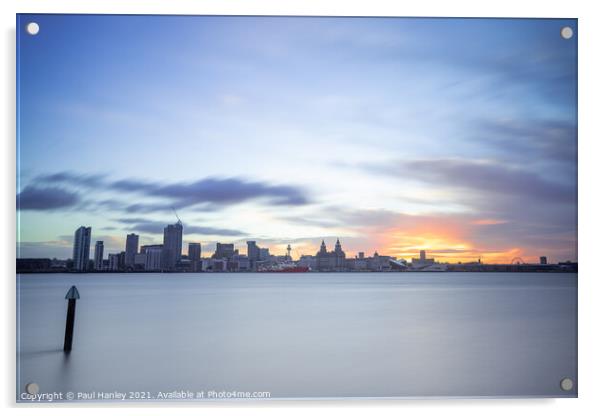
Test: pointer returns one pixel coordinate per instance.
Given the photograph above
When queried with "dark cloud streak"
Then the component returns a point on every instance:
(46, 199)
(209, 193)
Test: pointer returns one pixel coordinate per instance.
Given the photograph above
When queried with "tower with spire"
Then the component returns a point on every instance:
(337, 247)
(330, 261)
(323, 249)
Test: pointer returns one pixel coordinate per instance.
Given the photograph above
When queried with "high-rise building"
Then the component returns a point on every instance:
(154, 256)
(116, 261)
(223, 251)
(149, 246)
(172, 245)
(194, 252)
(99, 249)
(194, 256)
(253, 252)
(139, 261)
(543, 260)
(81, 248)
(422, 255)
(131, 249)
(264, 254)
(113, 262)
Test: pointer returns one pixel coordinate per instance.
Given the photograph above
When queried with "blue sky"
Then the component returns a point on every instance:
(457, 136)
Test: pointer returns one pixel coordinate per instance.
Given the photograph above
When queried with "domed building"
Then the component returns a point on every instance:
(330, 261)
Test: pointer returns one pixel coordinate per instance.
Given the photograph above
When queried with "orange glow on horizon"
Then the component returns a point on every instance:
(445, 240)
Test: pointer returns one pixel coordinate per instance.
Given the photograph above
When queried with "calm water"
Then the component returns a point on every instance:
(302, 335)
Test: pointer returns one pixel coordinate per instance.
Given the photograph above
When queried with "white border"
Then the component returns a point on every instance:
(590, 293)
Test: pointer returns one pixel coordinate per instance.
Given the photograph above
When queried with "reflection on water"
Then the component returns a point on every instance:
(302, 335)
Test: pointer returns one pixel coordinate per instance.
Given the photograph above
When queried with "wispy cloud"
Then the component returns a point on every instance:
(156, 227)
(486, 177)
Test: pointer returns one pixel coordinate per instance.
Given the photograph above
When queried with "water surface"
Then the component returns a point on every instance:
(302, 335)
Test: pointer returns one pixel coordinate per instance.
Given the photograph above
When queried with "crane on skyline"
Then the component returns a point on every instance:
(176, 213)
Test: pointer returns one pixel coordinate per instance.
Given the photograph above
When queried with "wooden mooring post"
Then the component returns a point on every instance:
(72, 296)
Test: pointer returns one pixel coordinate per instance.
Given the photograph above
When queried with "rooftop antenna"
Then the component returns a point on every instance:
(176, 213)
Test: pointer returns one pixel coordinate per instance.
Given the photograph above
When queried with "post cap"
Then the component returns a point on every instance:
(72, 294)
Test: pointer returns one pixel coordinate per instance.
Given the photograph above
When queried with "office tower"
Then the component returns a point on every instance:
(131, 249)
(264, 253)
(422, 255)
(194, 251)
(194, 255)
(223, 251)
(252, 253)
(149, 246)
(81, 248)
(99, 249)
(113, 262)
(154, 256)
(543, 260)
(139, 261)
(172, 245)
(117, 261)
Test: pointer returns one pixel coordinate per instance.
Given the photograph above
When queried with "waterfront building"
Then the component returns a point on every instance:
(253, 253)
(308, 261)
(153, 257)
(378, 263)
(194, 252)
(543, 260)
(33, 265)
(144, 248)
(330, 260)
(113, 262)
(139, 261)
(357, 264)
(81, 248)
(264, 254)
(223, 251)
(239, 263)
(194, 256)
(172, 245)
(131, 249)
(423, 261)
(218, 265)
(117, 261)
(98, 255)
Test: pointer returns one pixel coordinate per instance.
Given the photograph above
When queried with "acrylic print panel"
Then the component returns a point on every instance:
(217, 207)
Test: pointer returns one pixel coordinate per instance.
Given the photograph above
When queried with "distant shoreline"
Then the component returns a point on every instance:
(301, 273)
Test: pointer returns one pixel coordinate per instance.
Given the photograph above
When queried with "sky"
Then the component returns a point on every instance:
(454, 136)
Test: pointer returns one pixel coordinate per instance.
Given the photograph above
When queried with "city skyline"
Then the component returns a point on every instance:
(395, 135)
(171, 260)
